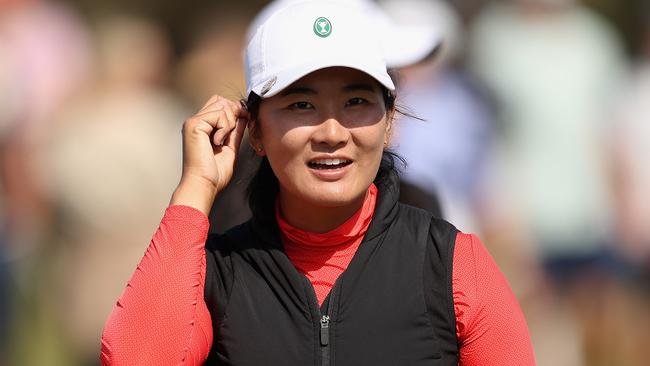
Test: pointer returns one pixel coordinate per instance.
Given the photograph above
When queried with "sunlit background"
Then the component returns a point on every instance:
(537, 138)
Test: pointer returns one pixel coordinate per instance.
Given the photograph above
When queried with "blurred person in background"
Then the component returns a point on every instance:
(6, 292)
(111, 162)
(449, 152)
(213, 58)
(631, 148)
(628, 298)
(5, 283)
(554, 67)
(446, 152)
(45, 59)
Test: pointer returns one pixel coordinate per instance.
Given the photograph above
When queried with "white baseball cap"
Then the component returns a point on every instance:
(306, 36)
(403, 43)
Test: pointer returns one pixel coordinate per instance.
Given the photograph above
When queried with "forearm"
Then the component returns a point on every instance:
(161, 317)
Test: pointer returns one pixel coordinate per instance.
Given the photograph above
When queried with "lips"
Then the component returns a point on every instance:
(328, 164)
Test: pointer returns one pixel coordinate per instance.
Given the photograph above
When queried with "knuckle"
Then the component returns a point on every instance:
(187, 124)
(220, 117)
(222, 123)
(232, 105)
(191, 122)
(213, 98)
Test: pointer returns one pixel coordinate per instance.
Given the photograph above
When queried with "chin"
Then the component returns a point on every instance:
(333, 194)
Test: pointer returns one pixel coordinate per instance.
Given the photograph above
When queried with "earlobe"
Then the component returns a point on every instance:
(257, 148)
(389, 129)
(253, 139)
(259, 151)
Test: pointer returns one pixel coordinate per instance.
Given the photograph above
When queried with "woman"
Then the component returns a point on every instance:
(331, 269)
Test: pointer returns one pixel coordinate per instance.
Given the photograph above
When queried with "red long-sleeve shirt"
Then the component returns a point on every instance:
(161, 318)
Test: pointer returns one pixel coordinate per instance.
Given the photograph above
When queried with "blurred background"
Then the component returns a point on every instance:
(536, 137)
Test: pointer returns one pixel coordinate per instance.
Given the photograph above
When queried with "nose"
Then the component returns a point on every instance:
(331, 133)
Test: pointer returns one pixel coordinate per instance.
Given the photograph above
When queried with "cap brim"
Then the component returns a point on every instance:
(290, 75)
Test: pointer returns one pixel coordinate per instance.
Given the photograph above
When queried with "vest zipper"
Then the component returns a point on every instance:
(325, 334)
(325, 339)
(325, 329)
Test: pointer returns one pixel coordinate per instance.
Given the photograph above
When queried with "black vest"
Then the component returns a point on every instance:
(392, 306)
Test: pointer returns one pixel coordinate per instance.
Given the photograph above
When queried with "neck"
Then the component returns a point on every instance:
(314, 217)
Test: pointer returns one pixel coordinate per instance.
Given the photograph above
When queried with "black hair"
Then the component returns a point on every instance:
(264, 186)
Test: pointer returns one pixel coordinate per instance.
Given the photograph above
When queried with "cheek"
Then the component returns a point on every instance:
(277, 132)
(284, 144)
(285, 152)
(371, 138)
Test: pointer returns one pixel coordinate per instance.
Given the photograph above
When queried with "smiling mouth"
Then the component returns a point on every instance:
(324, 164)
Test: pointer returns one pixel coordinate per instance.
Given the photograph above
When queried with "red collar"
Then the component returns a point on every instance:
(354, 228)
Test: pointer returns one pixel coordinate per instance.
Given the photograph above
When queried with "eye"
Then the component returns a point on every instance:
(301, 105)
(356, 101)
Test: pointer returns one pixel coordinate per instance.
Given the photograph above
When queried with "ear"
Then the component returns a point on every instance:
(254, 138)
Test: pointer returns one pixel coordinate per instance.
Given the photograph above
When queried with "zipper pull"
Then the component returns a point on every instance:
(324, 330)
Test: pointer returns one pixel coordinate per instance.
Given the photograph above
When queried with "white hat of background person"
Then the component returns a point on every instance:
(306, 36)
(425, 12)
(403, 44)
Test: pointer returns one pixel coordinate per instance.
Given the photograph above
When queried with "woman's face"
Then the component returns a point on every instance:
(324, 136)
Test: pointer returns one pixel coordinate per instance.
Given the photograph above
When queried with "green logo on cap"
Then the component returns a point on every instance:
(322, 27)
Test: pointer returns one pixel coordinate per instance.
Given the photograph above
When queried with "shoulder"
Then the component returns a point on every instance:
(247, 241)
(486, 309)
(419, 216)
(231, 239)
(437, 234)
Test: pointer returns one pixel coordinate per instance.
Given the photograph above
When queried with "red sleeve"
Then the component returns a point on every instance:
(490, 325)
(161, 317)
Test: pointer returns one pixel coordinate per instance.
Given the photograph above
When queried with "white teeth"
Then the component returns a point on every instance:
(329, 161)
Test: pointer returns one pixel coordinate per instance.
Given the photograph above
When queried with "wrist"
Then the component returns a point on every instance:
(195, 192)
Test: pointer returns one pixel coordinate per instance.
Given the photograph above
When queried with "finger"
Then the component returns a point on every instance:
(235, 137)
(243, 113)
(231, 120)
(223, 127)
(214, 122)
(233, 110)
(213, 99)
(227, 108)
(243, 110)
(214, 106)
(230, 114)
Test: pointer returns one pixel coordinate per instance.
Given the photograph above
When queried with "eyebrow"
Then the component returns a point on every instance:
(298, 90)
(309, 91)
(360, 86)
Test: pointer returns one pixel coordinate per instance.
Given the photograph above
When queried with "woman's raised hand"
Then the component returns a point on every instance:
(211, 140)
